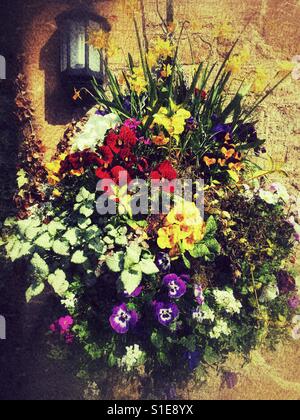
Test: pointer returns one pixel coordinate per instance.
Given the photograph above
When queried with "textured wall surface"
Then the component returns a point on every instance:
(273, 34)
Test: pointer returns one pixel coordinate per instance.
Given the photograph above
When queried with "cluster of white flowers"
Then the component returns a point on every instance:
(94, 131)
(204, 313)
(70, 301)
(221, 328)
(226, 300)
(133, 358)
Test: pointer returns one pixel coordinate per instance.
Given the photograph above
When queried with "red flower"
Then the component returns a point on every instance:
(79, 160)
(120, 174)
(127, 156)
(114, 142)
(201, 93)
(101, 174)
(127, 136)
(164, 171)
(106, 156)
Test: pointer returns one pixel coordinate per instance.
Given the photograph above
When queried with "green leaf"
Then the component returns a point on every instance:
(148, 267)
(131, 278)
(210, 356)
(211, 227)
(79, 258)
(71, 236)
(186, 261)
(22, 178)
(213, 245)
(133, 254)
(200, 251)
(84, 223)
(61, 248)
(40, 266)
(115, 262)
(16, 249)
(86, 211)
(58, 282)
(33, 291)
(98, 246)
(121, 240)
(54, 227)
(84, 195)
(157, 340)
(45, 241)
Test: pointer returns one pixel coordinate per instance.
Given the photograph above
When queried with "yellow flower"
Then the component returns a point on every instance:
(261, 81)
(163, 48)
(138, 82)
(56, 193)
(236, 62)
(184, 228)
(173, 120)
(286, 67)
(98, 39)
(53, 169)
(167, 71)
(168, 237)
(224, 31)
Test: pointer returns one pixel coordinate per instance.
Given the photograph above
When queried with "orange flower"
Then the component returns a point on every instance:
(209, 161)
(161, 140)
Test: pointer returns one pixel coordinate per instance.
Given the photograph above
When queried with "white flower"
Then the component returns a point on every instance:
(226, 300)
(203, 313)
(276, 192)
(93, 133)
(70, 301)
(268, 197)
(133, 358)
(221, 328)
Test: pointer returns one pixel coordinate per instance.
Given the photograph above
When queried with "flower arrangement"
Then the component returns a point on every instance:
(186, 285)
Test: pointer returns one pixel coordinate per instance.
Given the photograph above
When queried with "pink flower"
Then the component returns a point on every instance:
(65, 323)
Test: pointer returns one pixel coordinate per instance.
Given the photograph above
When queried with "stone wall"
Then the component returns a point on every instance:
(273, 34)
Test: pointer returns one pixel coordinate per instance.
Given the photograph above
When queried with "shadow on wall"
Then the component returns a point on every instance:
(59, 109)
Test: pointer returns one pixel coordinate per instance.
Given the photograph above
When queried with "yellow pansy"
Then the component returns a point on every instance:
(53, 169)
(168, 237)
(173, 120)
(184, 228)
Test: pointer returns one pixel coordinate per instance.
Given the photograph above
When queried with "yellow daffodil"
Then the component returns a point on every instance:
(98, 39)
(224, 31)
(236, 62)
(166, 71)
(261, 81)
(138, 82)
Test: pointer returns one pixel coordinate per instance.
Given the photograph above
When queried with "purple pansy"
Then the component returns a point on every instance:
(122, 319)
(176, 286)
(163, 262)
(222, 132)
(166, 313)
(198, 293)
